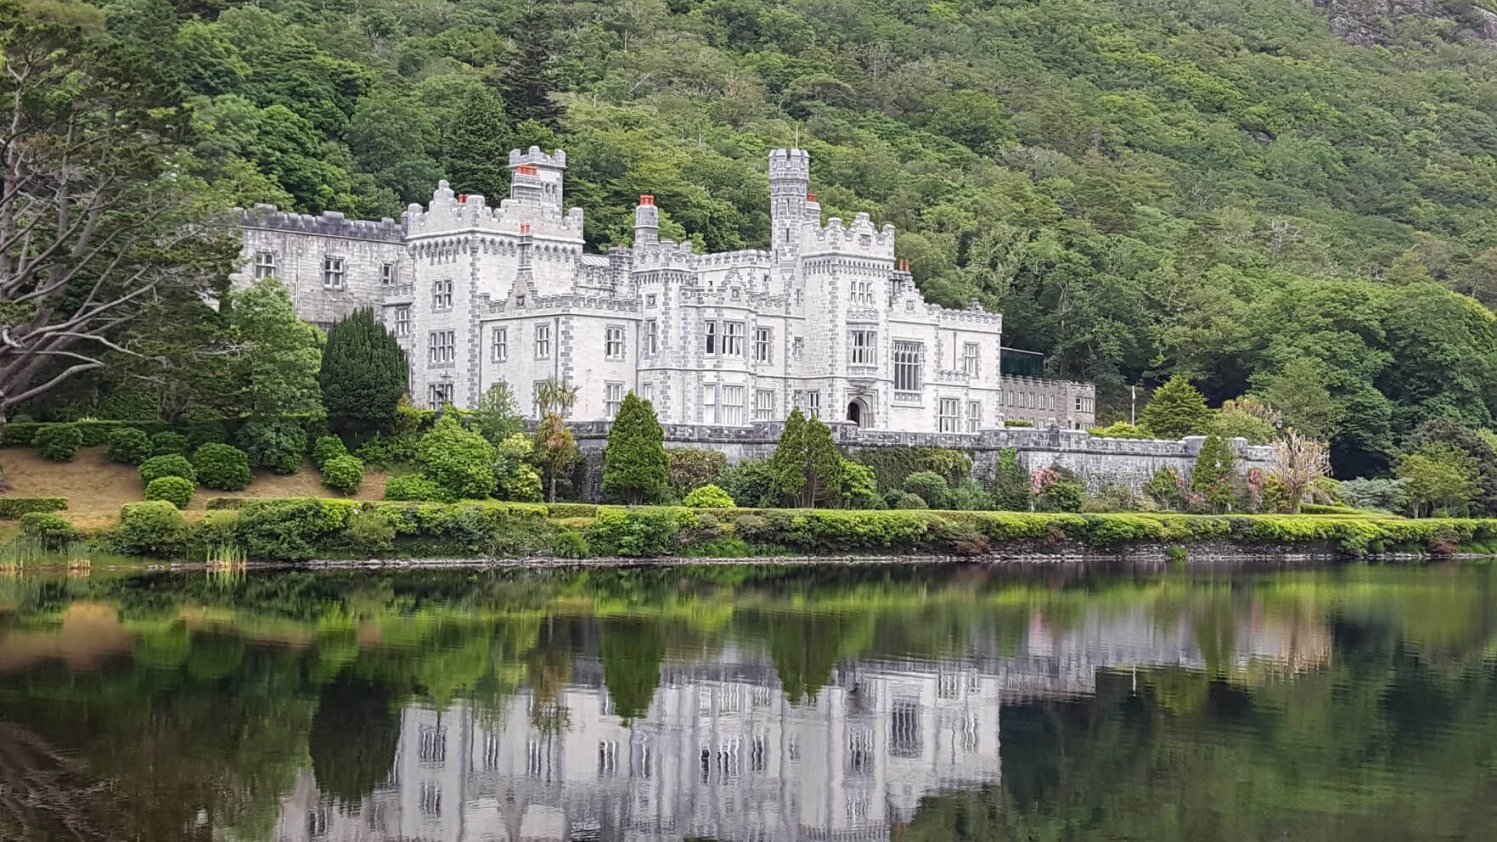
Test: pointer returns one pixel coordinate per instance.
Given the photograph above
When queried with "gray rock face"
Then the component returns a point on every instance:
(1369, 23)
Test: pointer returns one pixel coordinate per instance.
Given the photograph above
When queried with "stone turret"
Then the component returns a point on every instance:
(537, 177)
(789, 179)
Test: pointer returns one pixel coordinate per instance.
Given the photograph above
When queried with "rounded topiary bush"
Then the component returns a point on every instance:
(155, 528)
(129, 446)
(222, 466)
(414, 488)
(167, 442)
(930, 487)
(325, 448)
(343, 473)
(58, 442)
(174, 465)
(910, 501)
(277, 445)
(174, 490)
(709, 497)
(53, 531)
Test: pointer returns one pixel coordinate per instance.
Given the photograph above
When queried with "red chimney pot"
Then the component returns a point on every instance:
(647, 199)
(810, 197)
(524, 229)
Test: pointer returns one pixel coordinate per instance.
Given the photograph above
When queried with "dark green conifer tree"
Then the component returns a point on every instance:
(1176, 409)
(475, 148)
(636, 469)
(364, 372)
(528, 79)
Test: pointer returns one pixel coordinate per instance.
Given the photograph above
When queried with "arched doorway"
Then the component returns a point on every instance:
(857, 413)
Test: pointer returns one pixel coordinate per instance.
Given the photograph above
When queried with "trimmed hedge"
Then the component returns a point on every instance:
(304, 528)
(343, 473)
(53, 530)
(325, 448)
(12, 508)
(171, 465)
(222, 467)
(129, 445)
(59, 442)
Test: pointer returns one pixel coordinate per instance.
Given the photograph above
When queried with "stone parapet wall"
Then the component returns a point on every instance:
(1100, 462)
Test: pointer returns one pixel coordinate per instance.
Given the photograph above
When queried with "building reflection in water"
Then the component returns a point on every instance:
(723, 754)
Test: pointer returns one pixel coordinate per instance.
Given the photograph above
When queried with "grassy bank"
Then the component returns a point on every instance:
(299, 529)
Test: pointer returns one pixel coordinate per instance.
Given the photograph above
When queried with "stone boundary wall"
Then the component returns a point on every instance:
(1100, 462)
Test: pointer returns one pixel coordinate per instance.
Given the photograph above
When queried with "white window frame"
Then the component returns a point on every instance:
(441, 347)
(441, 294)
(501, 345)
(763, 345)
(403, 321)
(543, 342)
(971, 359)
(613, 398)
(438, 395)
(709, 403)
(333, 271)
(711, 342)
(948, 415)
(763, 404)
(731, 407)
(613, 342)
(733, 339)
(974, 416)
(389, 274)
(813, 402)
(265, 265)
(909, 366)
(652, 336)
(862, 344)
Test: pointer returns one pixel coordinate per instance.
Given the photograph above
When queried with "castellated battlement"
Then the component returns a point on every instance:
(666, 254)
(450, 211)
(536, 158)
(789, 164)
(860, 238)
(328, 224)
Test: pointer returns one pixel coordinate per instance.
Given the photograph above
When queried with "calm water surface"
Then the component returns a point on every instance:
(727, 703)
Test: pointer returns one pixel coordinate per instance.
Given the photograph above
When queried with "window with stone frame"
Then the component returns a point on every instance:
(949, 416)
(441, 347)
(264, 264)
(543, 342)
(613, 342)
(438, 395)
(732, 405)
(763, 340)
(710, 340)
(389, 274)
(733, 339)
(862, 293)
(613, 398)
(909, 366)
(970, 359)
(813, 403)
(441, 295)
(862, 346)
(501, 344)
(763, 404)
(652, 336)
(402, 321)
(974, 416)
(709, 404)
(332, 271)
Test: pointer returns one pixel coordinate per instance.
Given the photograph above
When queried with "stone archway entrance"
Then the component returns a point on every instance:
(857, 413)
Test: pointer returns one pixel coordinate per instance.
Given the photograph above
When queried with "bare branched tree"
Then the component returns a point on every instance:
(1298, 461)
(98, 225)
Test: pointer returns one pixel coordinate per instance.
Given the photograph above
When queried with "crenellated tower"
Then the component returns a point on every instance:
(536, 177)
(789, 179)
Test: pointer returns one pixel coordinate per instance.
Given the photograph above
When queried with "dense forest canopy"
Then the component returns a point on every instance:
(1223, 190)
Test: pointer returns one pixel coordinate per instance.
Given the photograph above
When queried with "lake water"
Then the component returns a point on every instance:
(738, 703)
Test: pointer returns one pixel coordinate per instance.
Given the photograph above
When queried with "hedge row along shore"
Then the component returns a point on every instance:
(302, 529)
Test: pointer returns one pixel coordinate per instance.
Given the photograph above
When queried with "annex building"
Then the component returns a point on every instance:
(827, 319)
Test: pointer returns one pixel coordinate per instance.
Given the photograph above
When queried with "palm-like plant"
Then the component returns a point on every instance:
(555, 396)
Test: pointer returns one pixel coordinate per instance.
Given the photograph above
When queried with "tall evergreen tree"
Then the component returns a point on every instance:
(1012, 489)
(364, 371)
(528, 79)
(475, 148)
(806, 465)
(1211, 477)
(787, 463)
(1176, 409)
(636, 469)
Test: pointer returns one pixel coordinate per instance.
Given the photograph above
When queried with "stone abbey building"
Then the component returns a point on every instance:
(827, 319)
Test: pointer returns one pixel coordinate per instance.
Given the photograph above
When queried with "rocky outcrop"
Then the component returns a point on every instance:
(1371, 22)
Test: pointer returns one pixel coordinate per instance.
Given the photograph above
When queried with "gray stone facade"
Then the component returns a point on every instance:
(826, 319)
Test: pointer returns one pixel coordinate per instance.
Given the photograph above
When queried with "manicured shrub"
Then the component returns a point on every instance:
(325, 448)
(19, 433)
(58, 442)
(969, 496)
(457, 460)
(750, 483)
(53, 530)
(173, 465)
(168, 442)
(639, 533)
(414, 488)
(373, 530)
(16, 507)
(709, 497)
(278, 445)
(291, 530)
(906, 500)
(343, 473)
(930, 487)
(636, 469)
(223, 467)
(1058, 490)
(174, 490)
(859, 486)
(129, 446)
(570, 510)
(692, 467)
(94, 431)
(153, 528)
